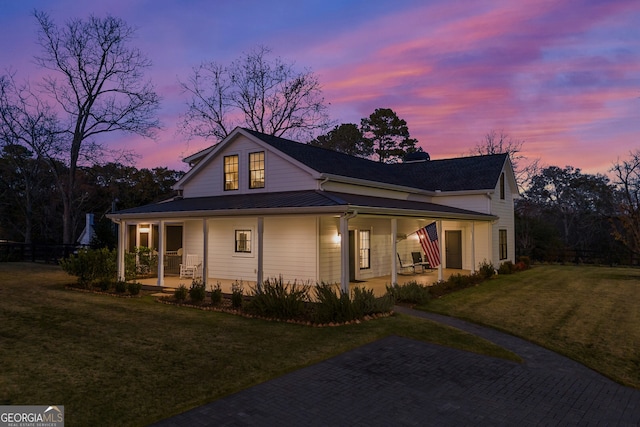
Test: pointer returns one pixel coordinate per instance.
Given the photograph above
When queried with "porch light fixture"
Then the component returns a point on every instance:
(144, 228)
(337, 238)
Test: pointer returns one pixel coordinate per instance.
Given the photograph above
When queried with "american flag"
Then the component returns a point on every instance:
(429, 240)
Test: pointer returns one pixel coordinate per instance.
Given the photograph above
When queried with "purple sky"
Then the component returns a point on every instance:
(564, 76)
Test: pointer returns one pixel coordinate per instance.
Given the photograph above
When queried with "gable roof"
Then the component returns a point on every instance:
(457, 174)
(475, 173)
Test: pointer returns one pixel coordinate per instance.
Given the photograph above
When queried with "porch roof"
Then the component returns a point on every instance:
(292, 202)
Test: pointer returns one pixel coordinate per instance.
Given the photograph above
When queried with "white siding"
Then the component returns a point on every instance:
(475, 202)
(280, 175)
(504, 210)
(224, 262)
(192, 241)
(329, 246)
(381, 255)
(290, 247)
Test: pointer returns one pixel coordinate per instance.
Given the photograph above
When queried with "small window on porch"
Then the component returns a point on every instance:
(365, 249)
(256, 170)
(503, 244)
(243, 241)
(231, 172)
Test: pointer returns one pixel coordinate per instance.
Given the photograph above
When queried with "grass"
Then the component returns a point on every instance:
(590, 314)
(133, 361)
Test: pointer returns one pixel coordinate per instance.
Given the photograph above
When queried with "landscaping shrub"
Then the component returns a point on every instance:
(409, 293)
(524, 263)
(130, 266)
(236, 295)
(486, 270)
(216, 294)
(91, 266)
(180, 294)
(332, 304)
(142, 261)
(197, 292)
(365, 303)
(134, 288)
(121, 286)
(454, 283)
(104, 284)
(279, 300)
(506, 267)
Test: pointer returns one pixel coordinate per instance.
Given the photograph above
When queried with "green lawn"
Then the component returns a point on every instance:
(590, 314)
(132, 361)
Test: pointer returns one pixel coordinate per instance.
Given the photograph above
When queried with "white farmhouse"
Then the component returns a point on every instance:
(256, 206)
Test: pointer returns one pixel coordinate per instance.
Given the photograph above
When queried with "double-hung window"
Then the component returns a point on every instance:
(365, 249)
(243, 241)
(231, 172)
(256, 170)
(503, 244)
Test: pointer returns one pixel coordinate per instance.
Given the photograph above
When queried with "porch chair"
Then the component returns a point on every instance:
(190, 267)
(417, 261)
(404, 266)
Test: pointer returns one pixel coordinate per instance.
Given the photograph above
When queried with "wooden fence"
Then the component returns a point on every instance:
(42, 252)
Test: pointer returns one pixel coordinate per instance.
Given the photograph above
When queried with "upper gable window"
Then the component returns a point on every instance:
(256, 170)
(502, 186)
(231, 172)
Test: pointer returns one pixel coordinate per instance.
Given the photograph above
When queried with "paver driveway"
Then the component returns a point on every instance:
(398, 381)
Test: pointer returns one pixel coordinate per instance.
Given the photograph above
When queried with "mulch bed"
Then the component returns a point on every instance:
(226, 307)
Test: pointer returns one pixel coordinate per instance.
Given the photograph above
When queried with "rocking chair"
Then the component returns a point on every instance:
(191, 267)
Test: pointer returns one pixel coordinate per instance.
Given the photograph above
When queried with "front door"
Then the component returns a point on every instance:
(453, 241)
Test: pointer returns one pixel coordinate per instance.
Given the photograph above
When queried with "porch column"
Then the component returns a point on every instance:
(260, 254)
(344, 253)
(473, 247)
(161, 253)
(205, 251)
(440, 240)
(122, 244)
(394, 251)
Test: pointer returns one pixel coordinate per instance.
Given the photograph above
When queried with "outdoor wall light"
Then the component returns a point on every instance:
(336, 238)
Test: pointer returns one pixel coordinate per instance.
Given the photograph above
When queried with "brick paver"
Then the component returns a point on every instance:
(402, 382)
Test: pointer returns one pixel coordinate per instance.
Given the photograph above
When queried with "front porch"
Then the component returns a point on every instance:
(378, 284)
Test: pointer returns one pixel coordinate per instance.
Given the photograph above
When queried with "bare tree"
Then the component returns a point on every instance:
(98, 85)
(28, 138)
(495, 142)
(627, 178)
(254, 91)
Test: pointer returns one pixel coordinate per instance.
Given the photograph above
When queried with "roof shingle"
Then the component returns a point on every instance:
(457, 174)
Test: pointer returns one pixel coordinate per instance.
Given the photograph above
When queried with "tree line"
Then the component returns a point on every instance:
(565, 215)
(31, 208)
(55, 166)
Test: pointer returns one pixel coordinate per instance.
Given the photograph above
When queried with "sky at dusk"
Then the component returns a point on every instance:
(564, 76)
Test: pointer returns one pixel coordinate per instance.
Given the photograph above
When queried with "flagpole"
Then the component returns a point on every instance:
(440, 239)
